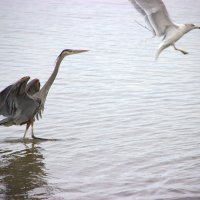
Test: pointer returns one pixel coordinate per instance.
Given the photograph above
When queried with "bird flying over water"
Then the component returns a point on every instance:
(23, 102)
(160, 24)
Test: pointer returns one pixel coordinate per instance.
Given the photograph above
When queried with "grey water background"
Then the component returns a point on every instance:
(128, 127)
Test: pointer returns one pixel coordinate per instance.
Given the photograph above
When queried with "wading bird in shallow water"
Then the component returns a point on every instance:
(160, 24)
(23, 102)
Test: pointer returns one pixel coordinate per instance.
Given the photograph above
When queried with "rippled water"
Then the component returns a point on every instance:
(127, 127)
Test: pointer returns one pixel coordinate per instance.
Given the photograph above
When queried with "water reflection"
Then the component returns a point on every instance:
(23, 173)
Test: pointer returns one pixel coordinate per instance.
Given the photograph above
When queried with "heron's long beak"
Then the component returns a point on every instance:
(68, 52)
(197, 27)
(79, 51)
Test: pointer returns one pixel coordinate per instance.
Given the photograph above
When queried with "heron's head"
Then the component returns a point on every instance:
(192, 26)
(67, 52)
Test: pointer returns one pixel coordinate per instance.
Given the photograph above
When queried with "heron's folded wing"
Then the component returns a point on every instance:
(25, 109)
(157, 15)
(28, 105)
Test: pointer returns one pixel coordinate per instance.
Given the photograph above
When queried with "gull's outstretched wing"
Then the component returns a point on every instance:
(157, 15)
(142, 12)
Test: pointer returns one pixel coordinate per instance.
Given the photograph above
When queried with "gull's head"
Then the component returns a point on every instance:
(192, 26)
(67, 52)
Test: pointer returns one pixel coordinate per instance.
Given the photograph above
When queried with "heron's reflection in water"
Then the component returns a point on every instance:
(23, 174)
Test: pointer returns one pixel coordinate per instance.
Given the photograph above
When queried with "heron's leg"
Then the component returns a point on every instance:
(32, 133)
(184, 52)
(34, 137)
(27, 127)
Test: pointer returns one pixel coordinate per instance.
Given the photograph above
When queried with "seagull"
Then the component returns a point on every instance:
(159, 23)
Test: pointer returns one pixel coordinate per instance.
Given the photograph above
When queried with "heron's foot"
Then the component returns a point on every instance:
(42, 139)
(38, 138)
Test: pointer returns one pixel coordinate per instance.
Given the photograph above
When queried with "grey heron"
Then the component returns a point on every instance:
(160, 24)
(22, 103)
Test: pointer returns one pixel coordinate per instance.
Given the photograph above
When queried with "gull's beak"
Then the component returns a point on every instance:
(197, 27)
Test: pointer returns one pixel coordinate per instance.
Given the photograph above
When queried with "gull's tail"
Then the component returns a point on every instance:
(160, 49)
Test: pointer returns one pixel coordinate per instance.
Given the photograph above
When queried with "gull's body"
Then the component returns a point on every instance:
(160, 24)
(21, 103)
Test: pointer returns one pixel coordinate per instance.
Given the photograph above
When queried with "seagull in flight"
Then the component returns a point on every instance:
(160, 24)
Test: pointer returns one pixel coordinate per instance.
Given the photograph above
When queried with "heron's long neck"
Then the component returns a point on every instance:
(45, 89)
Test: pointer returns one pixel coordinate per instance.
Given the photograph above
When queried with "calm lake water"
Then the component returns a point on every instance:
(127, 127)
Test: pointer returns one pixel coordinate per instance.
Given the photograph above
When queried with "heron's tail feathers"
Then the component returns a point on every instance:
(7, 122)
(39, 115)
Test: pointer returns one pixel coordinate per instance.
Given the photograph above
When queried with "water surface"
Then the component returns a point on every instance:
(128, 127)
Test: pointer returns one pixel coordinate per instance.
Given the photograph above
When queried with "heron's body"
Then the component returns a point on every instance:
(160, 24)
(26, 108)
(21, 103)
